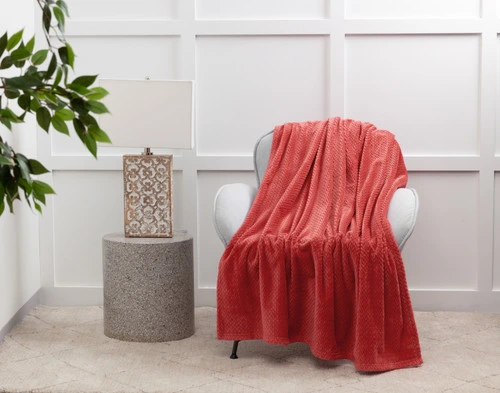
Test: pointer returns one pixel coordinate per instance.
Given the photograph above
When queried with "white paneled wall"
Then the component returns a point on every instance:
(427, 71)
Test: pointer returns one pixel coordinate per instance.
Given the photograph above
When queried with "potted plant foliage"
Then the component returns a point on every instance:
(40, 83)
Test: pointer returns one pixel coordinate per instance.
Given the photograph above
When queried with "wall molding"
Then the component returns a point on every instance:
(20, 314)
(202, 169)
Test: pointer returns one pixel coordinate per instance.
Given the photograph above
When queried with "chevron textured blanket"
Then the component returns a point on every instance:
(315, 260)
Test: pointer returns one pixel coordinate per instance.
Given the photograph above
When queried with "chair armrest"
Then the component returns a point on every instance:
(231, 206)
(402, 214)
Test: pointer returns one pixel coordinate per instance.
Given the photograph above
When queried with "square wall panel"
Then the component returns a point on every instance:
(121, 58)
(248, 85)
(122, 9)
(381, 9)
(210, 246)
(88, 205)
(261, 9)
(443, 251)
(422, 88)
(127, 57)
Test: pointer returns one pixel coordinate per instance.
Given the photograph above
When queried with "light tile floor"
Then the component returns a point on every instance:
(63, 349)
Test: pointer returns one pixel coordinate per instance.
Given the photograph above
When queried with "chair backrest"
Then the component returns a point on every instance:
(261, 155)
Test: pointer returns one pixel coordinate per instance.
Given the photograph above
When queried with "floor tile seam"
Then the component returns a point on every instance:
(138, 369)
(457, 378)
(250, 366)
(26, 347)
(487, 386)
(40, 319)
(451, 390)
(23, 360)
(53, 386)
(49, 386)
(82, 324)
(88, 347)
(90, 373)
(237, 379)
(194, 387)
(234, 379)
(212, 372)
(482, 352)
(110, 376)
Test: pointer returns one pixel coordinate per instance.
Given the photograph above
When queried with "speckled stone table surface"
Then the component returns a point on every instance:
(148, 287)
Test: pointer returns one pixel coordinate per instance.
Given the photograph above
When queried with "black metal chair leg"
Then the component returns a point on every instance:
(235, 349)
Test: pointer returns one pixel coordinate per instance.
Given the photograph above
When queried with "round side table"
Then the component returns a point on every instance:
(148, 287)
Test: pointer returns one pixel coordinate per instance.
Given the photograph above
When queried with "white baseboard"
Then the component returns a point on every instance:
(20, 314)
(422, 300)
(72, 296)
(455, 300)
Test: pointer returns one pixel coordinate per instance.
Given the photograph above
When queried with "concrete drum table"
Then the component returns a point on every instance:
(148, 287)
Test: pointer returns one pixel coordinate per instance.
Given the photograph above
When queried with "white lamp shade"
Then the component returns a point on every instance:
(149, 113)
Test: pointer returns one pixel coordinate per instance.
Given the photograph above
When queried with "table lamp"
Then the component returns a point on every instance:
(148, 114)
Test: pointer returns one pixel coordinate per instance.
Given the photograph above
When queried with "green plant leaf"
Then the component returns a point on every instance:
(2, 207)
(6, 122)
(99, 135)
(20, 54)
(23, 82)
(63, 54)
(33, 71)
(11, 93)
(23, 165)
(26, 186)
(63, 6)
(84, 80)
(47, 17)
(30, 45)
(91, 145)
(71, 55)
(79, 128)
(36, 167)
(42, 187)
(38, 207)
(6, 161)
(43, 118)
(67, 55)
(19, 64)
(58, 77)
(6, 63)
(58, 13)
(3, 43)
(65, 114)
(89, 120)
(24, 102)
(78, 105)
(79, 89)
(8, 114)
(97, 107)
(15, 39)
(97, 93)
(11, 192)
(52, 67)
(34, 104)
(60, 125)
(39, 57)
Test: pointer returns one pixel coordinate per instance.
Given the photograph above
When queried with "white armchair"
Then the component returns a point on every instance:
(233, 201)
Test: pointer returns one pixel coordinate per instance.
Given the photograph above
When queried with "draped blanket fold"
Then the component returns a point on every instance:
(315, 260)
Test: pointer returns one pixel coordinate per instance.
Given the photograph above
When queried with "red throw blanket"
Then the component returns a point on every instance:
(315, 260)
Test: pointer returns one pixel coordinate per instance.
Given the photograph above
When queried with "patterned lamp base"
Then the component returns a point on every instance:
(147, 181)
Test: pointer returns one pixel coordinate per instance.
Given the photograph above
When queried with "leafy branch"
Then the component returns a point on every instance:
(43, 89)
